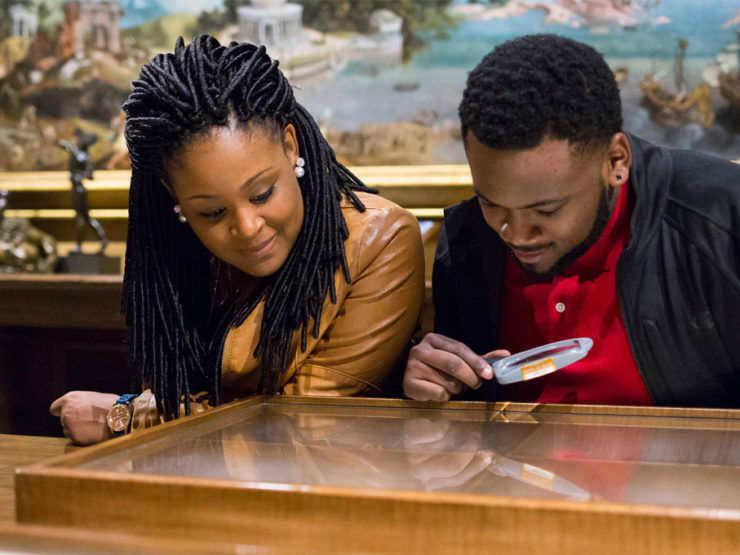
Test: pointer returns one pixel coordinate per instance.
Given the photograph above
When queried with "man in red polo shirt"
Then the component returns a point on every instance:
(581, 230)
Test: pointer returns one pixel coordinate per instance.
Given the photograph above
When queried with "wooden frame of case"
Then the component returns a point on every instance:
(340, 519)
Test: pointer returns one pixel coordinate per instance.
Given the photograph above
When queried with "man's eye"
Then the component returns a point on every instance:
(262, 198)
(487, 206)
(214, 213)
(548, 212)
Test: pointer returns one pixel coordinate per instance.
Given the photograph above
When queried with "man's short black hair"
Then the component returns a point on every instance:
(539, 85)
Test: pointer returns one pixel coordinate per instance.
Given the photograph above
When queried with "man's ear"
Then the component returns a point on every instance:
(619, 160)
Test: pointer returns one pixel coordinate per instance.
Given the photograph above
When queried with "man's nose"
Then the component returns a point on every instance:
(517, 230)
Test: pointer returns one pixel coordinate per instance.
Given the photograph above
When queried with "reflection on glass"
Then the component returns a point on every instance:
(539, 477)
(546, 353)
(657, 460)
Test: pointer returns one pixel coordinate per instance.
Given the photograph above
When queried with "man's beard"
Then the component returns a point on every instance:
(603, 213)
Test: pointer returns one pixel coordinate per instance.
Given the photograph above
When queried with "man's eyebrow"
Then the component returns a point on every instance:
(528, 206)
(243, 186)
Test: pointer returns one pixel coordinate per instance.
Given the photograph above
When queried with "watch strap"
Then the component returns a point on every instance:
(125, 399)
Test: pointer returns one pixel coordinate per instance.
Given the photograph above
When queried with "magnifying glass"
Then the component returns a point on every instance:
(540, 478)
(539, 361)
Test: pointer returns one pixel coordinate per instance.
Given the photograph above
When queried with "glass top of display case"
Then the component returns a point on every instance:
(349, 475)
(651, 457)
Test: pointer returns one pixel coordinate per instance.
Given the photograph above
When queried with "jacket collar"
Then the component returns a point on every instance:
(476, 252)
(650, 177)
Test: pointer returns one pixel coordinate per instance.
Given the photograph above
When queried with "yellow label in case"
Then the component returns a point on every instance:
(537, 369)
(537, 476)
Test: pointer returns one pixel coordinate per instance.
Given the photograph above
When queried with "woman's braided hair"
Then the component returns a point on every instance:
(170, 279)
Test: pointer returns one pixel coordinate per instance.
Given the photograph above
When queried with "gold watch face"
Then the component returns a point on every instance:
(118, 418)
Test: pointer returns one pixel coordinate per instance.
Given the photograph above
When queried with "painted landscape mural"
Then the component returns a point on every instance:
(383, 78)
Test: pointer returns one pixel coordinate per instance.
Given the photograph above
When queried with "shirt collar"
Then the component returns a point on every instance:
(603, 254)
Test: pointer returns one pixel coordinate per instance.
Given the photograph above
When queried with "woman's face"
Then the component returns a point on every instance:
(240, 195)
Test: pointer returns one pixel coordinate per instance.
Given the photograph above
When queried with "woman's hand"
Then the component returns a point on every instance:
(83, 415)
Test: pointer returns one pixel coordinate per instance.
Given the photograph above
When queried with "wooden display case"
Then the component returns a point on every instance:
(378, 475)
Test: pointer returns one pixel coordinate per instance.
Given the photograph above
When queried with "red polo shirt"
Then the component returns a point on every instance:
(581, 302)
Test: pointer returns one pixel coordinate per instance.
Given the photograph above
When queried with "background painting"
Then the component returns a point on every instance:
(382, 77)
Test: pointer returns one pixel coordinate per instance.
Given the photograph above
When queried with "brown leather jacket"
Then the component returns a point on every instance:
(363, 337)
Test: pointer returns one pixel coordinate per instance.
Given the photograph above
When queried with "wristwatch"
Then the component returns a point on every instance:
(119, 416)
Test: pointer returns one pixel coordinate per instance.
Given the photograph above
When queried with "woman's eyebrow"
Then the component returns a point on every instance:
(243, 186)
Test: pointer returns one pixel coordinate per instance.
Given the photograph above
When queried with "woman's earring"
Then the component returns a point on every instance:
(180, 216)
(299, 171)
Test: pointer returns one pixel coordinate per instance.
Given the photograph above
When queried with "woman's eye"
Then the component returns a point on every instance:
(262, 198)
(214, 213)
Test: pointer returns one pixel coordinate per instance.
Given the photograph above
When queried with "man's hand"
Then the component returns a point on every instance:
(439, 367)
(443, 453)
(83, 415)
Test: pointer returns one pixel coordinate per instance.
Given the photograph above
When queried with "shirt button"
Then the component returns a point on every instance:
(560, 307)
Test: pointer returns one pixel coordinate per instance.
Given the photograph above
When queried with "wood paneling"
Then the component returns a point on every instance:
(40, 364)
(57, 333)
(61, 301)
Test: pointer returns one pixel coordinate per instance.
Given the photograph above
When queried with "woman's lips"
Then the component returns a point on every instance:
(262, 248)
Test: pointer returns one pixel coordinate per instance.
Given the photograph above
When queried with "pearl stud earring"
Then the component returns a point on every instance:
(299, 171)
(177, 209)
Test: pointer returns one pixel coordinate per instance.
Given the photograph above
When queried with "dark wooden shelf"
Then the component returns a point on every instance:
(61, 301)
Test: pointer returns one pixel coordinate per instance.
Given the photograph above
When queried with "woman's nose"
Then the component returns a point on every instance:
(246, 223)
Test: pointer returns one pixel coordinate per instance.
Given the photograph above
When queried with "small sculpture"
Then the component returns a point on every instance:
(24, 248)
(81, 167)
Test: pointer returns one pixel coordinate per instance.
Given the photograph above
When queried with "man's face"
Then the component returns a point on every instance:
(547, 203)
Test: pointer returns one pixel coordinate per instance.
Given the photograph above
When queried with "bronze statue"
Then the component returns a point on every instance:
(81, 167)
(24, 248)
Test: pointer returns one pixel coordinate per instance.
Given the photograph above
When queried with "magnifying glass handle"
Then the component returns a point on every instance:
(491, 360)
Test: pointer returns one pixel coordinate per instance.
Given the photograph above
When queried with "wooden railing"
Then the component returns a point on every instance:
(45, 198)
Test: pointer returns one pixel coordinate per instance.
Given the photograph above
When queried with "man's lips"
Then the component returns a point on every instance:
(529, 255)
